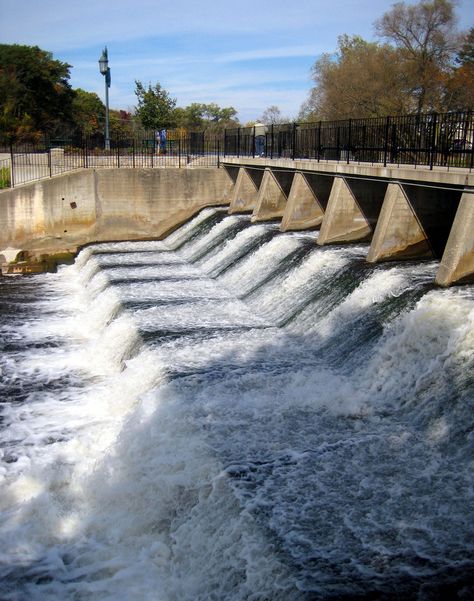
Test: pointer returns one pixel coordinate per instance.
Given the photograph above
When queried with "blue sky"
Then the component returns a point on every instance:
(248, 54)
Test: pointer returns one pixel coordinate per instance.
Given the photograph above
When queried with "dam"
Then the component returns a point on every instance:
(237, 411)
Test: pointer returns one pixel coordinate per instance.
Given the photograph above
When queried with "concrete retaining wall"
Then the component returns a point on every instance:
(110, 204)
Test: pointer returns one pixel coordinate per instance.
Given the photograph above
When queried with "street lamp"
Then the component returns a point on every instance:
(105, 70)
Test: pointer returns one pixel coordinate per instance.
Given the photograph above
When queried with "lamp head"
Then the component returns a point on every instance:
(104, 62)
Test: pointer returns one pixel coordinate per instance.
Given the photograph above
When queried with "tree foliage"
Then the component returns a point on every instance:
(88, 112)
(205, 116)
(421, 64)
(155, 108)
(35, 94)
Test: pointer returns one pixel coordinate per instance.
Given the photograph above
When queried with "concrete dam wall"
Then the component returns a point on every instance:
(65, 212)
(404, 213)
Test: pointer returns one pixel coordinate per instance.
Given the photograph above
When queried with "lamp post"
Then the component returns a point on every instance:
(105, 70)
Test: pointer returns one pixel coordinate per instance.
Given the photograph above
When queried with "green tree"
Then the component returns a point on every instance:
(88, 112)
(205, 116)
(155, 108)
(35, 94)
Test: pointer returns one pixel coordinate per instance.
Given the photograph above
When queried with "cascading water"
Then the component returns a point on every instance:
(235, 414)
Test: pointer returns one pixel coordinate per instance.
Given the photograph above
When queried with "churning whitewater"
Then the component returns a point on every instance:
(235, 414)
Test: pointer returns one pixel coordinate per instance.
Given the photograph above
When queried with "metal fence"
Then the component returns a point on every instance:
(22, 163)
(434, 139)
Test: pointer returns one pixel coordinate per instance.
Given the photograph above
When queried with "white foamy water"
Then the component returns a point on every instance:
(164, 439)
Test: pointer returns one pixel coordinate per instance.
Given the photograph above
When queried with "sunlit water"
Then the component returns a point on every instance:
(235, 414)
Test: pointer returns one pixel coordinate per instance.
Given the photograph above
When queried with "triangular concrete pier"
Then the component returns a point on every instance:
(271, 200)
(244, 195)
(398, 233)
(343, 220)
(303, 209)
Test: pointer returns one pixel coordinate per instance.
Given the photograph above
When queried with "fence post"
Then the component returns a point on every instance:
(50, 165)
(385, 152)
(225, 142)
(253, 143)
(12, 166)
(133, 153)
(238, 142)
(470, 129)
(218, 153)
(179, 152)
(349, 141)
(433, 141)
(293, 142)
(318, 148)
(118, 153)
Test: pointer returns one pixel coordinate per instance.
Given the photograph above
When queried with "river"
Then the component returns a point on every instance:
(236, 414)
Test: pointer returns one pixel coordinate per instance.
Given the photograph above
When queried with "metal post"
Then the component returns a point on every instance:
(433, 141)
(107, 135)
(118, 153)
(293, 142)
(385, 152)
(218, 153)
(50, 163)
(319, 142)
(238, 142)
(225, 141)
(133, 153)
(273, 140)
(12, 166)
(179, 152)
(349, 140)
(253, 143)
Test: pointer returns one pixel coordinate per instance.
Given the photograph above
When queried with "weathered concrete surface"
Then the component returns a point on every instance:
(343, 220)
(416, 222)
(457, 263)
(398, 233)
(438, 175)
(303, 210)
(244, 194)
(77, 208)
(271, 199)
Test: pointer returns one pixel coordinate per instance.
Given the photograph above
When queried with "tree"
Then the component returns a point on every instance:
(272, 116)
(35, 94)
(155, 106)
(460, 86)
(206, 116)
(88, 112)
(362, 79)
(424, 33)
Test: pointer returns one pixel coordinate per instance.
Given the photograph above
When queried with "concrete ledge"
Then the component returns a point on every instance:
(438, 175)
(86, 206)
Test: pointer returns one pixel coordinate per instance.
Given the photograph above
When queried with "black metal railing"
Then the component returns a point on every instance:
(25, 162)
(445, 140)
(433, 140)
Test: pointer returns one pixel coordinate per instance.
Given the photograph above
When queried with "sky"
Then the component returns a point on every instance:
(249, 54)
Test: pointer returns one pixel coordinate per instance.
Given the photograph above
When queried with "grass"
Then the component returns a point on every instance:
(5, 177)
